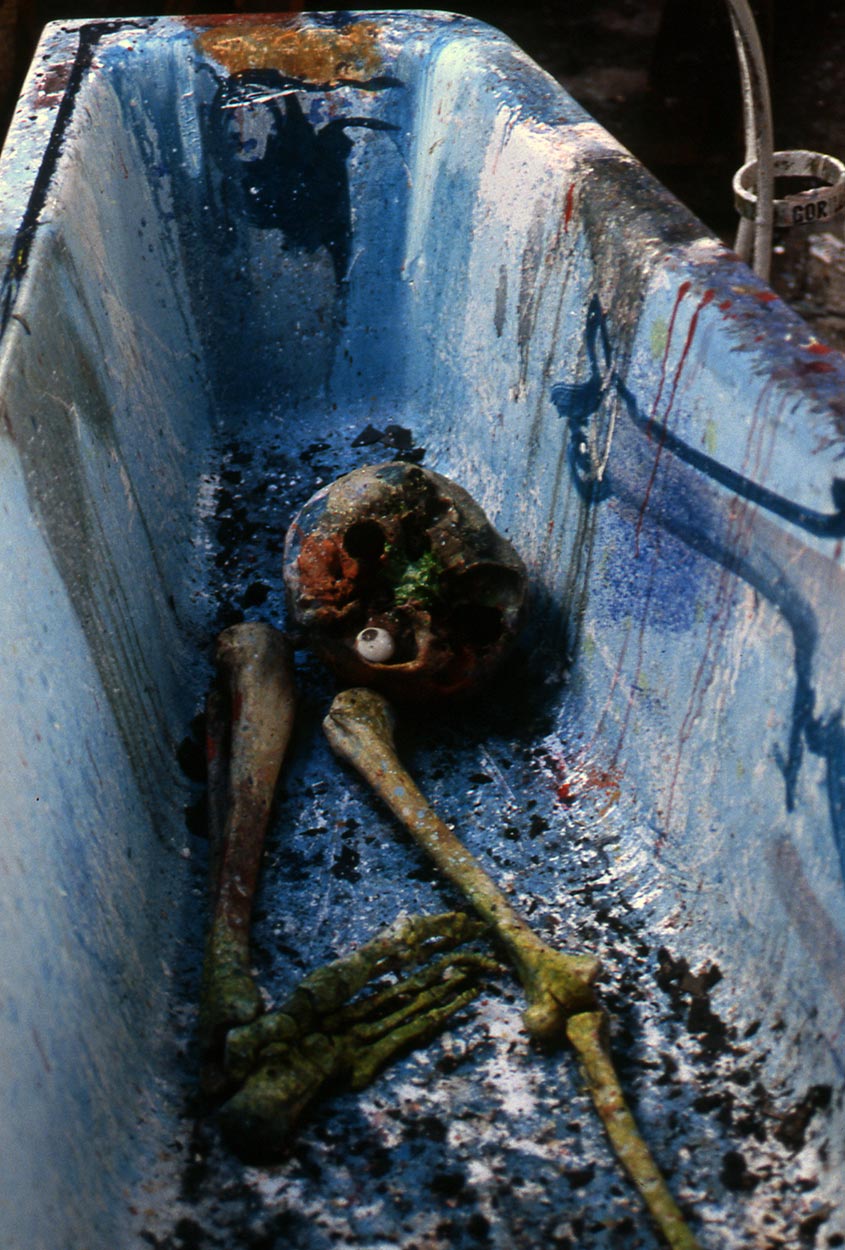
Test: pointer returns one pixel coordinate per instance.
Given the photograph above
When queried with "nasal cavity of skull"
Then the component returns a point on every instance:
(364, 541)
(415, 538)
(475, 624)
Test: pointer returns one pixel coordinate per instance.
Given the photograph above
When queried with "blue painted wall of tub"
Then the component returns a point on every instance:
(439, 235)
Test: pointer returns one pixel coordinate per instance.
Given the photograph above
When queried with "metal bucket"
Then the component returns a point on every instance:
(244, 256)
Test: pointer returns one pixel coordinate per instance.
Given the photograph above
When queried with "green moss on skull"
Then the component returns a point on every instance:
(419, 582)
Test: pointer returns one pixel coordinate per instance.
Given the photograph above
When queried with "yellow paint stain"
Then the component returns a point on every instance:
(658, 336)
(588, 647)
(310, 53)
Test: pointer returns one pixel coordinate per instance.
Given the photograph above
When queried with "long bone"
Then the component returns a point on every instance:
(255, 674)
(278, 1062)
(559, 987)
(359, 728)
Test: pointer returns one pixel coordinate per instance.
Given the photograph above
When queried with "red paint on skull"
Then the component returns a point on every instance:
(407, 553)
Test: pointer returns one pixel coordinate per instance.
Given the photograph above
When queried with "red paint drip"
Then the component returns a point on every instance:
(818, 349)
(682, 290)
(765, 297)
(39, 1046)
(706, 299)
(564, 793)
(725, 305)
(570, 204)
(571, 785)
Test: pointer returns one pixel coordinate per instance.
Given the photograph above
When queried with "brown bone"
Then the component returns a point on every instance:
(255, 668)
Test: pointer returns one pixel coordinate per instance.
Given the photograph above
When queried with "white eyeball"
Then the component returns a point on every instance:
(375, 645)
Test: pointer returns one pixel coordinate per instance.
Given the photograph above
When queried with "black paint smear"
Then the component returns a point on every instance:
(395, 437)
(735, 1173)
(579, 1177)
(368, 436)
(346, 865)
(190, 754)
(792, 1129)
(300, 184)
(89, 38)
(448, 1184)
(578, 404)
(697, 519)
(675, 977)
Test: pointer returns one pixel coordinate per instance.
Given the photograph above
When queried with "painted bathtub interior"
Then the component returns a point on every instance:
(242, 257)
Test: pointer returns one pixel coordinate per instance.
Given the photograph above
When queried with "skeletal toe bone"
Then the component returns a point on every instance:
(285, 1059)
(320, 999)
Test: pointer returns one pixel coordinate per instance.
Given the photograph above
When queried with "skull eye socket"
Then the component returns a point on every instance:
(489, 584)
(475, 624)
(364, 540)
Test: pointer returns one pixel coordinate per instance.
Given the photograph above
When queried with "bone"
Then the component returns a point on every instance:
(255, 674)
(359, 728)
(559, 987)
(320, 1001)
(324, 1036)
(587, 1032)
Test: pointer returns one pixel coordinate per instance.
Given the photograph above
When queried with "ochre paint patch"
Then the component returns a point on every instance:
(309, 53)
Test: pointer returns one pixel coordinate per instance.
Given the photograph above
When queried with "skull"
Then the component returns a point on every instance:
(399, 581)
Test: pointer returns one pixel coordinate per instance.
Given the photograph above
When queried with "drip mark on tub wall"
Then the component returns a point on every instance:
(740, 524)
(682, 291)
(501, 307)
(664, 427)
(89, 38)
(817, 932)
(570, 204)
(580, 402)
(743, 540)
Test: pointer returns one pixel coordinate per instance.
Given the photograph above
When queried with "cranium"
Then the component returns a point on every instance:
(399, 581)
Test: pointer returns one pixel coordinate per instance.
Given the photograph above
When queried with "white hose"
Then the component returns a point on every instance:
(754, 239)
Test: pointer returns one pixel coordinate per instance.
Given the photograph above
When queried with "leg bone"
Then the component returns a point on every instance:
(360, 730)
(256, 675)
(559, 987)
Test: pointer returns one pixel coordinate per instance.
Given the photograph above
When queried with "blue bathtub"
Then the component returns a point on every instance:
(243, 256)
